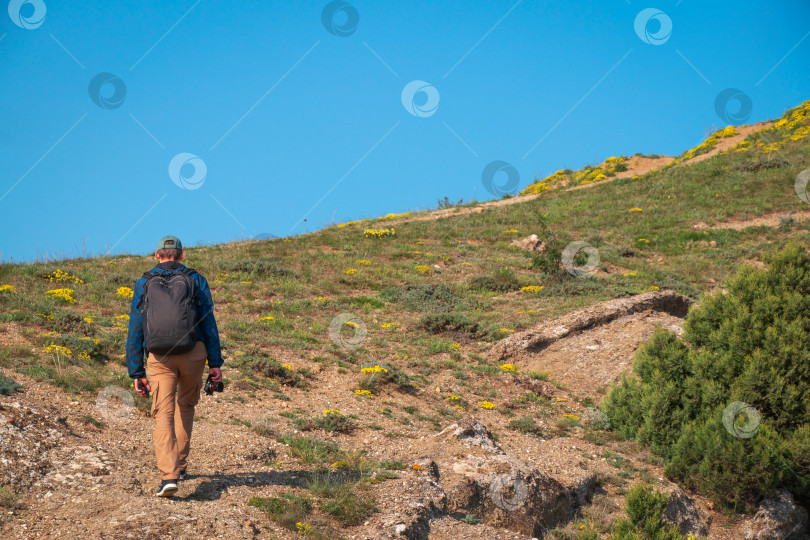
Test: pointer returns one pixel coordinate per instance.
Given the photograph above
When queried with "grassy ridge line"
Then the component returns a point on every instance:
(642, 229)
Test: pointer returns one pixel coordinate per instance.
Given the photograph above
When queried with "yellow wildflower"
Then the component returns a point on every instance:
(375, 369)
(364, 262)
(486, 405)
(58, 349)
(350, 271)
(510, 231)
(334, 412)
(62, 294)
(364, 393)
(509, 368)
(455, 346)
(126, 292)
(60, 276)
(287, 366)
(379, 233)
(350, 223)
(532, 288)
(9, 288)
(422, 269)
(636, 209)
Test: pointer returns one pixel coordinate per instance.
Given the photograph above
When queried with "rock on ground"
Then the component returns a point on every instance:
(479, 478)
(682, 512)
(777, 518)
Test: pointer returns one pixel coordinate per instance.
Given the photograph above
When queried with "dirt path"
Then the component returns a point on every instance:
(636, 165)
(769, 220)
(725, 144)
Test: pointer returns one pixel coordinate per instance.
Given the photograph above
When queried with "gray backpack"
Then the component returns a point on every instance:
(170, 312)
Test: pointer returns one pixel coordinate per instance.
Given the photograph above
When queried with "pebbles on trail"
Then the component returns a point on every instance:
(26, 437)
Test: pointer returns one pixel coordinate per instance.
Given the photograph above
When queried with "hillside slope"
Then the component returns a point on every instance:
(392, 322)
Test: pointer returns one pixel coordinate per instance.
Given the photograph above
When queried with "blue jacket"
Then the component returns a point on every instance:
(206, 327)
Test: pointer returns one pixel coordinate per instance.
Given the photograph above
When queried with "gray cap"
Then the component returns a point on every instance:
(170, 242)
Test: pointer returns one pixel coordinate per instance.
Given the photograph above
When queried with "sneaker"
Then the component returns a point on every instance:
(182, 474)
(167, 488)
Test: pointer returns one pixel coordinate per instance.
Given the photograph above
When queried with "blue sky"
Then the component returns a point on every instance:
(291, 121)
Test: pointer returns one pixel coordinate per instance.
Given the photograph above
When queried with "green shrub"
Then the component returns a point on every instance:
(422, 297)
(550, 260)
(272, 369)
(261, 267)
(334, 423)
(644, 505)
(502, 280)
(310, 449)
(390, 375)
(9, 500)
(287, 510)
(436, 323)
(525, 425)
(349, 506)
(8, 386)
(751, 346)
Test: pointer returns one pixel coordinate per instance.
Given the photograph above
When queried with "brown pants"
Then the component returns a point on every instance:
(176, 380)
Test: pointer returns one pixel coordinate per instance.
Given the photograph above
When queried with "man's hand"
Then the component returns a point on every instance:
(142, 387)
(215, 373)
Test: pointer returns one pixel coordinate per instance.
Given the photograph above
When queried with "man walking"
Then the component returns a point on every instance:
(172, 320)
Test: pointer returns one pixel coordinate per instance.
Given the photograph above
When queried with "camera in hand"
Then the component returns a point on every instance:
(212, 386)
